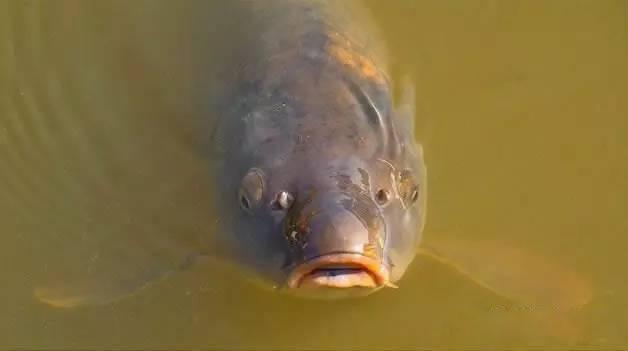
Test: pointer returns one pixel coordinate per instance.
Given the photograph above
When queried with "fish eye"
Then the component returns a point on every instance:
(284, 200)
(251, 190)
(382, 196)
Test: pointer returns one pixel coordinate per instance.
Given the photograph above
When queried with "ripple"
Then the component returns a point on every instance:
(92, 137)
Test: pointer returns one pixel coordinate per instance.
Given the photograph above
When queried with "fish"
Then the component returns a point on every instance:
(321, 184)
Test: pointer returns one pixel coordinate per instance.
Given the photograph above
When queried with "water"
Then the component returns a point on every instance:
(521, 108)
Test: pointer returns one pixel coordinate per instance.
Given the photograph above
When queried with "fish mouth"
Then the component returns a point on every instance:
(343, 270)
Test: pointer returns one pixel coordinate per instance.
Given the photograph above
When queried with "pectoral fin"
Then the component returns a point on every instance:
(106, 287)
(513, 272)
(548, 292)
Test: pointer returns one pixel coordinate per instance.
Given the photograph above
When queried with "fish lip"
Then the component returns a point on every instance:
(376, 270)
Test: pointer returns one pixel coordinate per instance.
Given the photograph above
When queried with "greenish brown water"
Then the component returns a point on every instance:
(521, 107)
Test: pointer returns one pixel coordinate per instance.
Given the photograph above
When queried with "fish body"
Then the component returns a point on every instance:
(322, 184)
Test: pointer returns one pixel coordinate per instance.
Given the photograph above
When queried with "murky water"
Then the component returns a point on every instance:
(521, 108)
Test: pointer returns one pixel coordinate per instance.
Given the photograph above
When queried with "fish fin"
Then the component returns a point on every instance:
(127, 245)
(434, 255)
(86, 293)
(547, 292)
(513, 273)
(100, 289)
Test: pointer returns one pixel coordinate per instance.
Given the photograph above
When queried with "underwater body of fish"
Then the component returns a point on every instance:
(321, 185)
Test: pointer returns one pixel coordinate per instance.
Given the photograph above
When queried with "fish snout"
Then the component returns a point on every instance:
(337, 243)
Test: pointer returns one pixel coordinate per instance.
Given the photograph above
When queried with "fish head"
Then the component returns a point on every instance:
(330, 227)
(324, 182)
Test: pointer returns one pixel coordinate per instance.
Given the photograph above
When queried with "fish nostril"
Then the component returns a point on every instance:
(382, 196)
(244, 202)
(415, 194)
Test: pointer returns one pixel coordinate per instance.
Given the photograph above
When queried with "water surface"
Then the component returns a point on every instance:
(520, 106)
